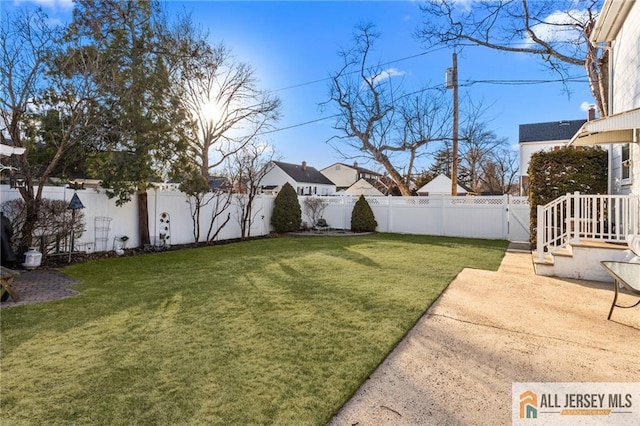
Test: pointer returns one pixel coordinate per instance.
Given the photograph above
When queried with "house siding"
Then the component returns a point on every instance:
(626, 64)
(343, 176)
(277, 177)
(625, 95)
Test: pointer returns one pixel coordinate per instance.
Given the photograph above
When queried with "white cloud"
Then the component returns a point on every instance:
(388, 73)
(465, 5)
(55, 5)
(557, 27)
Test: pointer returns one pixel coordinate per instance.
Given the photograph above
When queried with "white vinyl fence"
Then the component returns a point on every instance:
(491, 217)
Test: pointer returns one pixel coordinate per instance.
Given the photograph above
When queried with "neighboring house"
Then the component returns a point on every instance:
(363, 187)
(219, 184)
(306, 180)
(543, 137)
(161, 186)
(574, 230)
(440, 185)
(344, 175)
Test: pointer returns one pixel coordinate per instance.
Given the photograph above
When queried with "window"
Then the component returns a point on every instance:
(626, 162)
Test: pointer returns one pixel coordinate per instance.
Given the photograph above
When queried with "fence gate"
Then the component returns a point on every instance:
(518, 219)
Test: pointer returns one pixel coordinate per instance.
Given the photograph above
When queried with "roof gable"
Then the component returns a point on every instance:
(303, 173)
(441, 184)
(363, 187)
(549, 131)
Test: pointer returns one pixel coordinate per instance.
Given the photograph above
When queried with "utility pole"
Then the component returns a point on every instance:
(454, 147)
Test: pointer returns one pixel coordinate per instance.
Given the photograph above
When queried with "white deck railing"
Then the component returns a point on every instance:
(572, 217)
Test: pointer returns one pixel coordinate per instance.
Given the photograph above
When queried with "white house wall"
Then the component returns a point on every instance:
(277, 177)
(341, 175)
(625, 94)
(626, 64)
(527, 149)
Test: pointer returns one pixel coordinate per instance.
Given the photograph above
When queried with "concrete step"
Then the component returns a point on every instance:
(580, 261)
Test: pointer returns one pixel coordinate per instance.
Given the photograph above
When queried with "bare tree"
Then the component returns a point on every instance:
(555, 31)
(377, 119)
(207, 192)
(45, 92)
(246, 169)
(226, 111)
(221, 94)
(485, 162)
(314, 208)
(499, 172)
(477, 143)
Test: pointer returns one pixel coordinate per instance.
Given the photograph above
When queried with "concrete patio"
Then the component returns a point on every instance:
(488, 330)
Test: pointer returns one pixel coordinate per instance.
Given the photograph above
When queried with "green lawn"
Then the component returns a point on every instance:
(272, 331)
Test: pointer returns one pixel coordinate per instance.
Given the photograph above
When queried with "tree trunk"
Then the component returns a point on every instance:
(29, 224)
(143, 218)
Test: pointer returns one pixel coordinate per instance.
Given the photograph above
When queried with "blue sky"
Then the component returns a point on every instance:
(293, 47)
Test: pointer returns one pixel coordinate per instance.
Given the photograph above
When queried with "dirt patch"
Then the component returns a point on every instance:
(327, 232)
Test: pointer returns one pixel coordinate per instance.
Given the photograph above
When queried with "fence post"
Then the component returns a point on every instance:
(389, 218)
(443, 214)
(344, 213)
(506, 217)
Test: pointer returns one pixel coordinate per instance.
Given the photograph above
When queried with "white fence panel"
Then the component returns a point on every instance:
(416, 215)
(519, 219)
(473, 217)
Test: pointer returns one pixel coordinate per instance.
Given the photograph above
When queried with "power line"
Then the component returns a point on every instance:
(574, 79)
(570, 79)
(525, 82)
(297, 125)
(320, 80)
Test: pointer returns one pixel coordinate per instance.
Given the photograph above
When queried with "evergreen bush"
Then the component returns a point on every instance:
(362, 218)
(556, 173)
(287, 214)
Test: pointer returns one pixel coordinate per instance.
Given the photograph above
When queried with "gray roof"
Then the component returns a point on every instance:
(308, 175)
(551, 131)
(218, 183)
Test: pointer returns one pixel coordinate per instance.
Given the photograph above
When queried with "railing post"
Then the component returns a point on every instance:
(577, 216)
(540, 232)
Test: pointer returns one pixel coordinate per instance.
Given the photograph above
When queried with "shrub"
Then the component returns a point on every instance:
(556, 173)
(362, 218)
(287, 215)
(54, 225)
